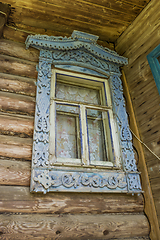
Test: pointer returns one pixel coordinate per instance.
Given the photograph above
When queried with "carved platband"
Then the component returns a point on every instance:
(58, 180)
(81, 51)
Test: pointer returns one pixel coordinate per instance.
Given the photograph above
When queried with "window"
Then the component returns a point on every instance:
(84, 131)
(154, 62)
(82, 141)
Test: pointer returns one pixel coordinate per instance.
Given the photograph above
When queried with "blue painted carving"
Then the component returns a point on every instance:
(45, 180)
(77, 41)
(80, 52)
(122, 120)
(41, 131)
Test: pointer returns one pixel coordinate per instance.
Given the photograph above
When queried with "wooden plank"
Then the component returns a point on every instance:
(74, 226)
(149, 203)
(154, 172)
(149, 15)
(18, 50)
(143, 48)
(132, 3)
(17, 66)
(19, 35)
(120, 6)
(16, 103)
(109, 33)
(14, 173)
(16, 125)
(78, 11)
(19, 199)
(17, 84)
(148, 115)
(15, 147)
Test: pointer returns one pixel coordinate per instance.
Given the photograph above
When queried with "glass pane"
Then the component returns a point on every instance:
(67, 108)
(77, 93)
(96, 136)
(67, 127)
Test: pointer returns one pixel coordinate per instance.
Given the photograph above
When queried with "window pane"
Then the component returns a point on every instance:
(67, 127)
(77, 93)
(96, 136)
(158, 59)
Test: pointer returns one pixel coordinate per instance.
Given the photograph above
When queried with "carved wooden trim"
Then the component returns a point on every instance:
(81, 51)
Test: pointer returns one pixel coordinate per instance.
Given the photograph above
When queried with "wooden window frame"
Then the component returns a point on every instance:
(154, 64)
(114, 160)
(79, 54)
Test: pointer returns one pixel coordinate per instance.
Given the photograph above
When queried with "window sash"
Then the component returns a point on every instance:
(110, 139)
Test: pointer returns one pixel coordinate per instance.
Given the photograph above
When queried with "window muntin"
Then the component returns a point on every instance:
(85, 103)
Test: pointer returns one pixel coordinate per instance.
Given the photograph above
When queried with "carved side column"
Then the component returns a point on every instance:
(129, 162)
(40, 156)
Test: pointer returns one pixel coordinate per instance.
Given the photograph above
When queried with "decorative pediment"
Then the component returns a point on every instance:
(84, 42)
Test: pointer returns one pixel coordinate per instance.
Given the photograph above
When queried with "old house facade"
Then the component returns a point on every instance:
(78, 212)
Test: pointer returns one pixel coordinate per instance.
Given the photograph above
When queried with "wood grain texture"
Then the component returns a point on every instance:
(16, 103)
(15, 49)
(4, 13)
(12, 33)
(19, 199)
(73, 226)
(17, 84)
(16, 66)
(108, 19)
(15, 147)
(136, 43)
(12, 124)
(14, 173)
(148, 193)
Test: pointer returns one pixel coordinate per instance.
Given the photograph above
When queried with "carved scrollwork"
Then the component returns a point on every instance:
(78, 180)
(134, 182)
(80, 56)
(122, 120)
(41, 131)
(83, 53)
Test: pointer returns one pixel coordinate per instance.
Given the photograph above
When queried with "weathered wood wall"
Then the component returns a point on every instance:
(54, 216)
(105, 18)
(136, 43)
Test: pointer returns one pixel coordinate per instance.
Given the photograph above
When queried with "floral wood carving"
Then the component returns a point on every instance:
(79, 50)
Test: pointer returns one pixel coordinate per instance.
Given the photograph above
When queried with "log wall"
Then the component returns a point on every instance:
(136, 43)
(55, 215)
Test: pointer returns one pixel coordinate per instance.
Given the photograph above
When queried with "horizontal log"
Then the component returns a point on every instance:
(12, 124)
(19, 35)
(14, 34)
(14, 172)
(73, 226)
(17, 66)
(19, 199)
(17, 84)
(15, 49)
(15, 147)
(16, 103)
(4, 13)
